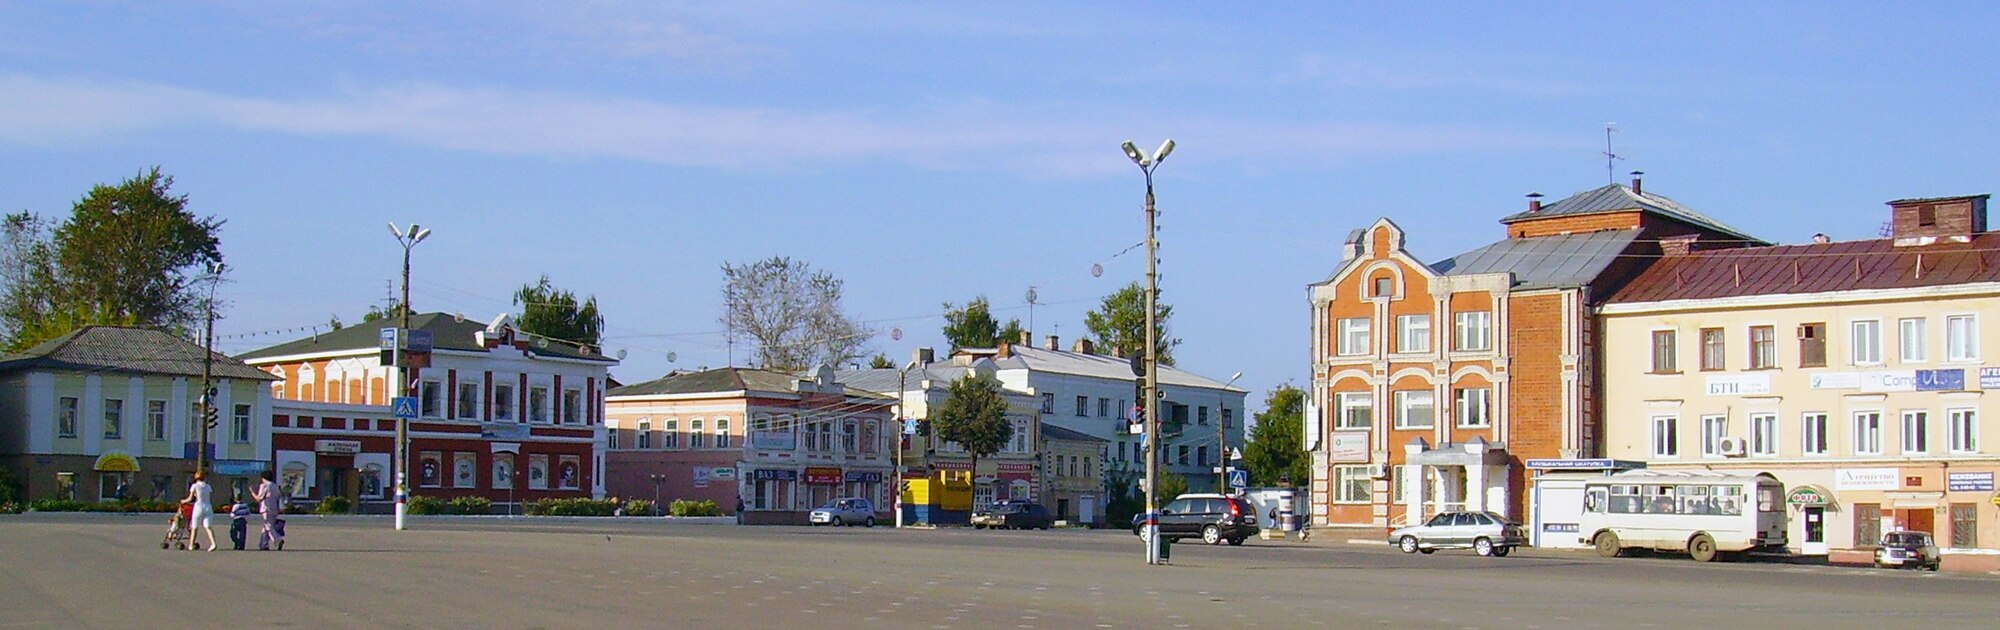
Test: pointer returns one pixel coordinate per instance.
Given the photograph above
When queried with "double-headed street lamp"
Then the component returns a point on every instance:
(1222, 436)
(408, 239)
(658, 479)
(1151, 404)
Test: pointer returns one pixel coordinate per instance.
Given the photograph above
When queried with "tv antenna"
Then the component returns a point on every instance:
(1609, 156)
(1032, 295)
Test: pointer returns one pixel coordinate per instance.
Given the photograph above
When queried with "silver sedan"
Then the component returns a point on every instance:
(1486, 533)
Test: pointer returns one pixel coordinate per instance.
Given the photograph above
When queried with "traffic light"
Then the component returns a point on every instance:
(208, 417)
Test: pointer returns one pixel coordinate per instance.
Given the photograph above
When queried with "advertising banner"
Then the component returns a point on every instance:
(1969, 482)
(823, 476)
(1350, 446)
(1739, 384)
(1940, 380)
(1865, 479)
(1989, 378)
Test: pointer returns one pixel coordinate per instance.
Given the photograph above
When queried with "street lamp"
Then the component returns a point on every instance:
(1222, 436)
(1146, 165)
(513, 481)
(902, 397)
(408, 239)
(657, 480)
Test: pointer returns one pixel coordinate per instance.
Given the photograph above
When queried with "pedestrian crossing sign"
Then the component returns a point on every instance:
(404, 407)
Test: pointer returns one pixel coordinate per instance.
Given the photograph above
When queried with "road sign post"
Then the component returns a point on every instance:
(405, 410)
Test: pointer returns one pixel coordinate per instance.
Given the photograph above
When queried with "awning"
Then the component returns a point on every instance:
(116, 461)
(1810, 495)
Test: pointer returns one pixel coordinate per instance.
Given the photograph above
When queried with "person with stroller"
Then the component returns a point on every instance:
(201, 511)
(268, 497)
(239, 522)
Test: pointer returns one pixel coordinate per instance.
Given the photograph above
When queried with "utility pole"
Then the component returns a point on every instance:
(208, 410)
(405, 377)
(1152, 403)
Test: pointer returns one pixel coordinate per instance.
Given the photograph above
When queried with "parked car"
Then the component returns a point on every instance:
(1486, 533)
(845, 511)
(1013, 515)
(1908, 549)
(1213, 518)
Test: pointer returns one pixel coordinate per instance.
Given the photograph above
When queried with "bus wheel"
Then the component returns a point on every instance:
(1702, 548)
(1607, 545)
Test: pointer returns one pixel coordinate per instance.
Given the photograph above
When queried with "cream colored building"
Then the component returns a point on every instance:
(1856, 372)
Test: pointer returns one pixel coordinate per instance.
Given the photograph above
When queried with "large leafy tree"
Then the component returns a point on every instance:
(1171, 485)
(792, 312)
(1120, 323)
(130, 254)
(556, 314)
(1277, 443)
(973, 415)
(974, 327)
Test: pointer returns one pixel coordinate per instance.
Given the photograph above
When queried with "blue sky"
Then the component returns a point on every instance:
(933, 152)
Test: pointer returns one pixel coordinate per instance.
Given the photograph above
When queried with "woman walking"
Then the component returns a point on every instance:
(267, 497)
(201, 510)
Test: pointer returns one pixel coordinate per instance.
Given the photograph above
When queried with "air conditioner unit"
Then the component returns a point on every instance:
(1378, 471)
(1731, 447)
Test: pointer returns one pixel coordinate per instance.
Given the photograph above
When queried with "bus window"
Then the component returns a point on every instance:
(1728, 500)
(1767, 499)
(1695, 500)
(1594, 501)
(1625, 500)
(1660, 499)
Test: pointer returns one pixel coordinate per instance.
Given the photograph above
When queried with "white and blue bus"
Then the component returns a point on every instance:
(1703, 513)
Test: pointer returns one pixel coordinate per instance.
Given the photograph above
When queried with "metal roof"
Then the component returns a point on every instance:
(448, 332)
(721, 380)
(1814, 268)
(1100, 366)
(1054, 432)
(129, 350)
(1541, 262)
(1618, 198)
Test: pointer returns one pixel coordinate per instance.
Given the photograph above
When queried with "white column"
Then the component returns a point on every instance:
(1413, 491)
(1475, 487)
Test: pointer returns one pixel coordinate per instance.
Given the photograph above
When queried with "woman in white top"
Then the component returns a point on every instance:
(198, 494)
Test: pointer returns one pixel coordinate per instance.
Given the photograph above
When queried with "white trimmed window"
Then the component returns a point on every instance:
(1357, 410)
(1961, 338)
(1353, 336)
(239, 425)
(1350, 484)
(1868, 433)
(1812, 430)
(670, 434)
(645, 438)
(696, 439)
(1763, 347)
(1713, 429)
(538, 405)
(1473, 406)
(156, 420)
(1413, 333)
(1415, 410)
(1666, 436)
(468, 401)
(430, 399)
(1764, 434)
(114, 419)
(1864, 342)
(1472, 331)
(66, 417)
(1916, 431)
(1082, 406)
(503, 402)
(1910, 339)
(722, 433)
(1963, 425)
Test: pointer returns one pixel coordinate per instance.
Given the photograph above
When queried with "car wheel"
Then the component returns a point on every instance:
(1501, 552)
(1408, 544)
(1140, 531)
(1702, 548)
(1236, 542)
(1482, 547)
(870, 522)
(836, 522)
(1607, 545)
(1211, 535)
(979, 526)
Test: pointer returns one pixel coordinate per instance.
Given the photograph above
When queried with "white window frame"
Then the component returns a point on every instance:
(538, 411)
(156, 420)
(1764, 434)
(697, 440)
(114, 419)
(1473, 407)
(69, 412)
(1916, 434)
(239, 424)
(1867, 432)
(670, 434)
(503, 403)
(1354, 337)
(1472, 330)
(1082, 406)
(1714, 427)
(1961, 338)
(1666, 436)
(1911, 340)
(1350, 403)
(1406, 401)
(643, 438)
(572, 411)
(430, 399)
(721, 433)
(1345, 480)
(468, 411)
(1813, 433)
(1963, 425)
(1864, 342)
(1413, 333)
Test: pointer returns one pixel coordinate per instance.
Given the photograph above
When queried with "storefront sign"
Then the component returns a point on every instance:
(1350, 446)
(1896, 381)
(1837, 380)
(702, 475)
(1969, 482)
(1809, 496)
(725, 473)
(864, 476)
(1739, 384)
(775, 475)
(239, 467)
(1989, 378)
(823, 476)
(1940, 380)
(503, 430)
(116, 461)
(773, 440)
(1578, 464)
(337, 447)
(1866, 479)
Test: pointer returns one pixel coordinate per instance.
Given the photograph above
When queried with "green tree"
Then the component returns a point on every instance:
(973, 415)
(881, 362)
(1171, 485)
(130, 254)
(792, 312)
(378, 311)
(1120, 323)
(1011, 333)
(556, 314)
(1276, 451)
(974, 326)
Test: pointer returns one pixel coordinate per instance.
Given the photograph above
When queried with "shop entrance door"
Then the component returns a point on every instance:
(333, 482)
(1815, 542)
(1917, 520)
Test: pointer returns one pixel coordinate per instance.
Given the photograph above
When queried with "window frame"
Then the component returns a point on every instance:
(240, 427)
(1868, 440)
(1764, 434)
(1355, 337)
(430, 399)
(1962, 425)
(1666, 439)
(1915, 435)
(1968, 351)
(1812, 344)
(1404, 399)
(503, 403)
(539, 405)
(1351, 484)
(642, 434)
(1082, 406)
(1413, 333)
(722, 432)
(1764, 352)
(1665, 344)
(69, 410)
(1048, 402)
(670, 434)
(114, 419)
(1343, 406)
(697, 440)
(1462, 408)
(1864, 349)
(1714, 429)
(1714, 343)
(1813, 438)
(1466, 329)
(572, 411)
(467, 408)
(1912, 340)
(156, 420)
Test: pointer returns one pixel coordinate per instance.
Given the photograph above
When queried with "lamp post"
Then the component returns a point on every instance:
(1222, 436)
(657, 480)
(209, 413)
(513, 480)
(408, 239)
(902, 397)
(1146, 165)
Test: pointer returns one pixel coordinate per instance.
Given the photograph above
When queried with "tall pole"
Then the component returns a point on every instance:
(208, 410)
(1151, 391)
(1222, 436)
(902, 399)
(403, 381)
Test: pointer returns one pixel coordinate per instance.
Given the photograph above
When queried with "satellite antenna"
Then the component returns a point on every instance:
(896, 334)
(1610, 157)
(458, 317)
(671, 357)
(621, 354)
(1032, 295)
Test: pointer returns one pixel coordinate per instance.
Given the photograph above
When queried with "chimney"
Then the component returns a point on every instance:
(1821, 239)
(1083, 346)
(1027, 338)
(1637, 189)
(923, 356)
(1054, 344)
(1937, 220)
(1006, 350)
(1671, 246)
(1534, 202)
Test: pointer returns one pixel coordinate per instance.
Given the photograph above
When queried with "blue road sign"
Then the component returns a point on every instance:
(405, 407)
(1239, 478)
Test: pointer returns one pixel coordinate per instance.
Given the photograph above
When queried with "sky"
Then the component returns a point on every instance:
(927, 153)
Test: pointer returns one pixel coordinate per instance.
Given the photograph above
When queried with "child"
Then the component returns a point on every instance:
(239, 522)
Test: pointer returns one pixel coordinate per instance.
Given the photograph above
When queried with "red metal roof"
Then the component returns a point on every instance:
(1815, 268)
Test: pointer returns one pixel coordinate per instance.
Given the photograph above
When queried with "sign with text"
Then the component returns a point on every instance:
(864, 476)
(1989, 378)
(1940, 380)
(822, 476)
(1837, 380)
(725, 473)
(1866, 479)
(1739, 384)
(775, 475)
(1349, 446)
(773, 440)
(701, 476)
(337, 447)
(1969, 482)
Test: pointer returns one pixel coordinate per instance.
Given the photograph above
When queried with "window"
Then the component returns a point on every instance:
(848, 436)
(1353, 336)
(695, 437)
(538, 405)
(503, 402)
(1183, 455)
(1385, 287)
(430, 399)
(1812, 345)
(645, 439)
(66, 417)
(1713, 429)
(1357, 410)
(1865, 342)
(1666, 436)
(1472, 406)
(670, 434)
(1961, 338)
(1764, 434)
(1413, 333)
(1082, 406)
(722, 433)
(468, 401)
(1964, 525)
(239, 425)
(1414, 410)
(1121, 452)
(1763, 347)
(1350, 484)
(1103, 407)
(572, 406)
(1867, 524)
(1200, 457)
(1048, 402)
(1812, 427)
(1963, 425)
(156, 420)
(1663, 352)
(1201, 415)
(1868, 433)
(1916, 431)
(114, 418)
(1911, 339)
(1712, 350)
(611, 440)
(1471, 331)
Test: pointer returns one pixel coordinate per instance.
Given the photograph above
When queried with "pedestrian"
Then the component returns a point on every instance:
(202, 510)
(268, 507)
(239, 521)
(739, 509)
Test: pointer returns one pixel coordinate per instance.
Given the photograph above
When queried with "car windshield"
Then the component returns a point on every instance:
(1901, 539)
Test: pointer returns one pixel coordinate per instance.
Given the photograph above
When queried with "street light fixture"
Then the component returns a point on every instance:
(902, 426)
(657, 480)
(408, 239)
(1222, 436)
(1151, 404)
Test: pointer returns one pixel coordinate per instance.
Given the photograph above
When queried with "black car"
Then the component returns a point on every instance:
(1213, 518)
(1013, 515)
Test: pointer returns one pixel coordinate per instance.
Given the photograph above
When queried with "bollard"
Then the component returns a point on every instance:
(1166, 549)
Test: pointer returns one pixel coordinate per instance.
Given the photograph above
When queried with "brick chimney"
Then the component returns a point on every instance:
(1937, 219)
(1083, 346)
(1054, 345)
(1027, 338)
(1637, 189)
(1671, 246)
(1006, 350)
(1534, 202)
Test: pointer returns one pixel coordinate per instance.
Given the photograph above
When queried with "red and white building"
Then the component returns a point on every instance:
(502, 414)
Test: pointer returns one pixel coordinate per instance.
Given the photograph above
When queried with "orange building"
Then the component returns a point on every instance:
(1433, 384)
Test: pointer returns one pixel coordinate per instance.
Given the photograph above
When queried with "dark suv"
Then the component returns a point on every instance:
(1013, 515)
(1213, 518)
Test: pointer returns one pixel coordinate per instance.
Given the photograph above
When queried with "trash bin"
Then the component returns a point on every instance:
(1166, 548)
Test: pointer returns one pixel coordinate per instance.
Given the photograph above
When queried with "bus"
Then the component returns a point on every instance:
(1706, 514)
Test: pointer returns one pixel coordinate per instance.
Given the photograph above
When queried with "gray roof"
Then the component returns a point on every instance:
(887, 380)
(1054, 432)
(448, 332)
(1618, 198)
(722, 380)
(128, 350)
(1100, 366)
(1544, 262)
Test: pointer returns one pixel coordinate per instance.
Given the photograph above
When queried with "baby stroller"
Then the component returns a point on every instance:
(180, 530)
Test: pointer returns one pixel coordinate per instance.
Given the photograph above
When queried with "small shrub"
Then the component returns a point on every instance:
(572, 507)
(10, 508)
(334, 505)
(55, 505)
(471, 505)
(639, 507)
(687, 507)
(425, 506)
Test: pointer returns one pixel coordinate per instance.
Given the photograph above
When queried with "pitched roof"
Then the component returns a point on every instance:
(1054, 432)
(1541, 262)
(725, 380)
(448, 332)
(1100, 366)
(1619, 198)
(1814, 268)
(129, 350)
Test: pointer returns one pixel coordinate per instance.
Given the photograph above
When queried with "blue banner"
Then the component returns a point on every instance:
(240, 467)
(864, 476)
(1940, 380)
(776, 475)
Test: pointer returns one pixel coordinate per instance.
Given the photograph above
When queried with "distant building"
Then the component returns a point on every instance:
(1073, 475)
(1014, 472)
